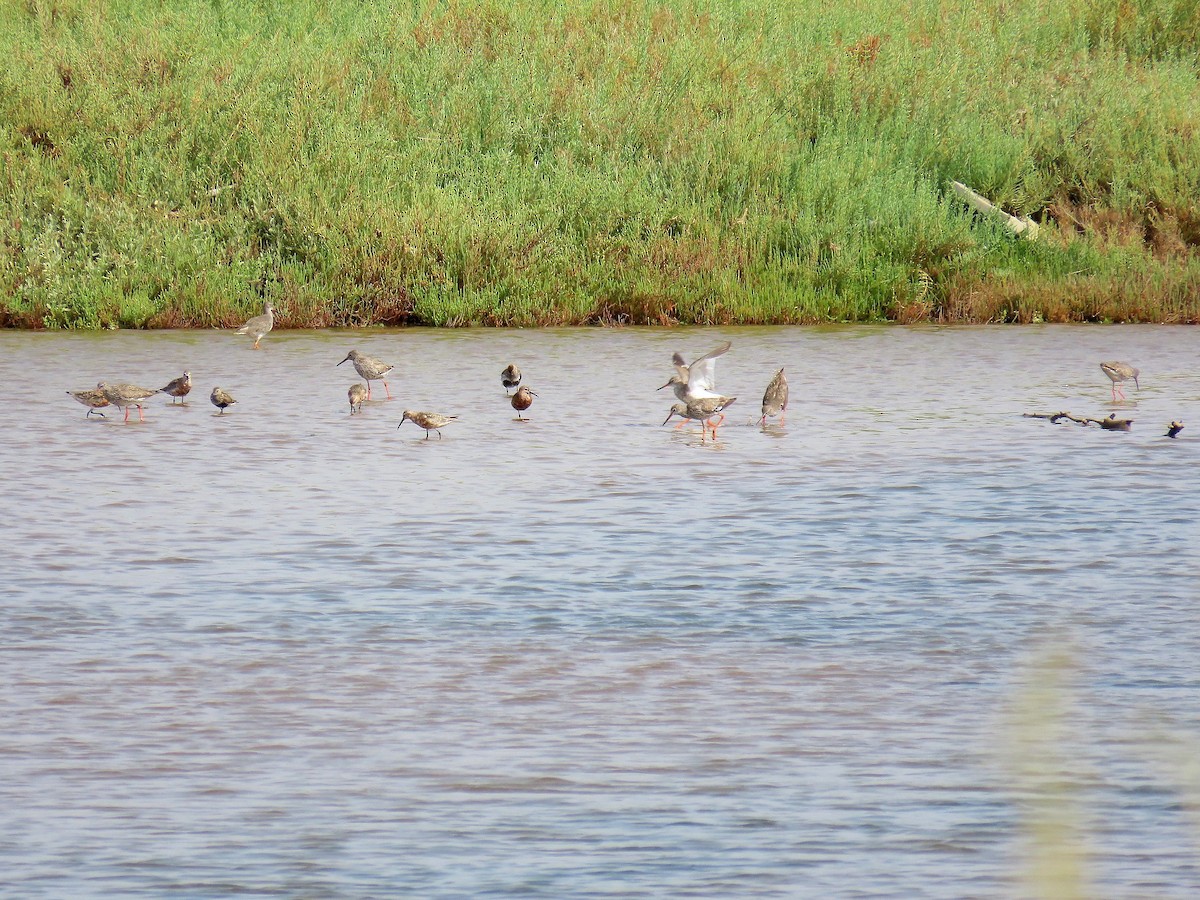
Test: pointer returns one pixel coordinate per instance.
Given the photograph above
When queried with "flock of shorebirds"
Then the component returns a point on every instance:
(694, 386)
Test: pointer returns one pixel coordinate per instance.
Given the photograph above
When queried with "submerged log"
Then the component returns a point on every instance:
(1022, 227)
(1112, 423)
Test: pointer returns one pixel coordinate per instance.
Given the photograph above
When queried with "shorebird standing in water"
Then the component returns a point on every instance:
(428, 421)
(775, 400)
(124, 396)
(259, 326)
(1118, 372)
(180, 387)
(221, 399)
(510, 377)
(701, 411)
(357, 394)
(370, 369)
(93, 400)
(521, 401)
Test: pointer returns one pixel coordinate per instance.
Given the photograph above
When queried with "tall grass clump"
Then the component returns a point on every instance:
(612, 161)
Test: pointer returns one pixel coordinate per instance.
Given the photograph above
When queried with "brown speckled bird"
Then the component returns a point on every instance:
(124, 396)
(775, 400)
(701, 411)
(428, 421)
(93, 400)
(521, 401)
(370, 369)
(357, 394)
(221, 399)
(180, 387)
(1172, 430)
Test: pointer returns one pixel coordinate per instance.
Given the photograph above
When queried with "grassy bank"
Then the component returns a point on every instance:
(166, 164)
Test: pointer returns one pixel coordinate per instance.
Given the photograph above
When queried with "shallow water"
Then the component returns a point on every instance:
(290, 652)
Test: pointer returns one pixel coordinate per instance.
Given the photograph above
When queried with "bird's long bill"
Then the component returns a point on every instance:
(668, 418)
(1135, 383)
(344, 360)
(667, 385)
(402, 421)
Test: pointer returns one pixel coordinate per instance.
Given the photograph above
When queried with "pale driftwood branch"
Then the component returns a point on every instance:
(1112, 423)
(1022, 227)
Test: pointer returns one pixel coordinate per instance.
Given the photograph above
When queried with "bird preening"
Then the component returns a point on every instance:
(510, 377)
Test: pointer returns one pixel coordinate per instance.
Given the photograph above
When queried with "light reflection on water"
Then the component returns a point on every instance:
(287, 651)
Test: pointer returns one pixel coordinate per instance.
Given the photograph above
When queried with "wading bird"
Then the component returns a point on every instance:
(775, 399)
(259, 325)
(221, 399)
(370, 369)
(510, 377)
(699, 379)
(357, 394)
(521, 401)
(124, 396)
(1118, 372)
(93, 400)
(701, 410)
(428, 421)
(180, 387)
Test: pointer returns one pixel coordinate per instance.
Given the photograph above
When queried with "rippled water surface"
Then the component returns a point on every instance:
(290, 652)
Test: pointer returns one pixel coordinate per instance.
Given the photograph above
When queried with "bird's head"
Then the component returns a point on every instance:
(674, 379)
(679, 409)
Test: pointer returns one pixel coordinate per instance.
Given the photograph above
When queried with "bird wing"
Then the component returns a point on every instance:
(702, 374)
(680, 365)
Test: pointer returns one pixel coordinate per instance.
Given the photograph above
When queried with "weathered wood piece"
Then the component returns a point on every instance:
(1112, 423)
(1021, 227)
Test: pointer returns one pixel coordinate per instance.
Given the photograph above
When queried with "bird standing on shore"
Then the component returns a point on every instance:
(370, 369)
(357, 394)
(1118, 372)
(221, 399)
(701, 410)
(428, 421)
(259, 326)
(521, 401)
(180, 387)
(93, 400)
(124, 396)
(510, 377)
(775, 400)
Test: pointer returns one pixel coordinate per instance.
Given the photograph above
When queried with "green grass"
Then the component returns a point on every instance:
(527, 163)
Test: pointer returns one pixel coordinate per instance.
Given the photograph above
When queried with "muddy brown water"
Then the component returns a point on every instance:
(290, 652)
